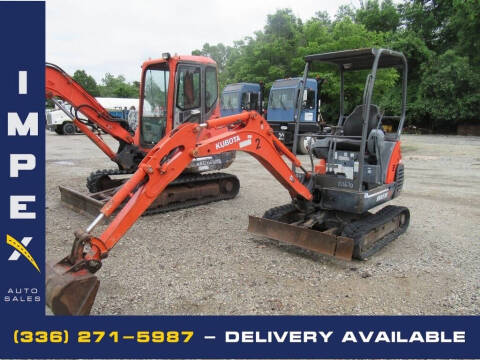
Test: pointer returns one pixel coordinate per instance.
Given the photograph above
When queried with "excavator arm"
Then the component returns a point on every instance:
(59, 84)
(71, 285)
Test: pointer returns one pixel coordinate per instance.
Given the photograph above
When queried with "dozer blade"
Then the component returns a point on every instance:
(323, 243)
(82, 203)
(70, 293)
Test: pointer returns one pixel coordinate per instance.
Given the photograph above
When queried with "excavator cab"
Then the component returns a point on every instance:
(180, 79)
(177, 90)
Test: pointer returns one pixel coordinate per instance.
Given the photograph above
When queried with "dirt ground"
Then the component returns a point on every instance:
(203, 261)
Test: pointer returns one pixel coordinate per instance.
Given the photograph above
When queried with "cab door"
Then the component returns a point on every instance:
(188, 99)
(309, 109)
(196, 95)
(210, 106)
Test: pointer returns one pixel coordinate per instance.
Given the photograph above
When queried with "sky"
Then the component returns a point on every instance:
(116, 36)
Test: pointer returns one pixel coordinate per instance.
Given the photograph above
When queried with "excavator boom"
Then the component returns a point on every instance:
(71, 285)
(58, 84)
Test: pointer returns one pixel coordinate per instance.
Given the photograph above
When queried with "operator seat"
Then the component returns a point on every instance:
(352, 126)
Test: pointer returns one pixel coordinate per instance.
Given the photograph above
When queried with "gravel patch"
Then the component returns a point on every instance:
(203, 261)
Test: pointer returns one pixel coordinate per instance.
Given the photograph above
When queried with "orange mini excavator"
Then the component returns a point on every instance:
(358, 168)
(193, 98)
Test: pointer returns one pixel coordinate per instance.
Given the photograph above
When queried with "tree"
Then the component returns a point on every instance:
(219, 53)
(87, 82)
(433, 33)
(322, 17)
(382, 17)
(442, 24)
(419, 17)
(450, 91)
(417, 53)
(269, 54)
(277, 52)
(341, 35)
(464, 27)
(438, 37)
(345, 12)
(116, 86)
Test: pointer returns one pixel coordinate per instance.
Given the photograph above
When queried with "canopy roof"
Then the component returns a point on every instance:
(360, 59)
(293, 82)
(242, 86)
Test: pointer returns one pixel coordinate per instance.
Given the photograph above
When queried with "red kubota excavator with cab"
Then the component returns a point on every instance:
(194, 99)
(358, 168)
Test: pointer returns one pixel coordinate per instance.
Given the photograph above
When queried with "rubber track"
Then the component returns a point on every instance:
(181, 180)
(360, 228)
(197, 178)
(96, 175)
(278, 212)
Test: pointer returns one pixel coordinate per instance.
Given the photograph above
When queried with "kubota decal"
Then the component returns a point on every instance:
(226, 142)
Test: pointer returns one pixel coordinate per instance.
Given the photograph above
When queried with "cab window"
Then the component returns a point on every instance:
(154, 107)
(229, 101)
(282, 99)
(188, 87)
(250, 101)
(211, 88)
(310, 102)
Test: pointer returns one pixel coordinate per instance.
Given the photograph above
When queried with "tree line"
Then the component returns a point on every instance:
(110, 86)
(438, 37)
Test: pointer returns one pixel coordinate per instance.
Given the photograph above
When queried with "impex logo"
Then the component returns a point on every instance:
(20, 249)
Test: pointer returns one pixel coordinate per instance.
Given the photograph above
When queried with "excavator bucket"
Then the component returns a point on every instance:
(318, 241)
(70, 292)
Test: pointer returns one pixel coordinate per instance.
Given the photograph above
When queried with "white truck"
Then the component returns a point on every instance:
(59, 122)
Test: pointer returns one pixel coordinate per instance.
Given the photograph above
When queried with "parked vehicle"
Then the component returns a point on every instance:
(241, 96)
(281, 110)
(59, 122)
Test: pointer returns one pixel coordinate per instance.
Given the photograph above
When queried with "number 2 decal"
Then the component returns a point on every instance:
(257, 141)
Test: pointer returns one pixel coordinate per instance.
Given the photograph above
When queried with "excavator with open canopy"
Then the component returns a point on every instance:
(359, 167)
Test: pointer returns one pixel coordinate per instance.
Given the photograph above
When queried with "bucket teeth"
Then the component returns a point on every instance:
(70, 293)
